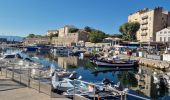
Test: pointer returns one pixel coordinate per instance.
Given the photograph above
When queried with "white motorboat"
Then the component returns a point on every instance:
(64, 84)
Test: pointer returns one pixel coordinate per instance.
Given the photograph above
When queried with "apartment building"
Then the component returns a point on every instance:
(151, 21)
(163, 35)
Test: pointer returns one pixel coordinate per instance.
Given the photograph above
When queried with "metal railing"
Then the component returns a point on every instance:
(24, 76)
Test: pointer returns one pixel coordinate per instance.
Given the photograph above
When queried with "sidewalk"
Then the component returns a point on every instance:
(10, 90)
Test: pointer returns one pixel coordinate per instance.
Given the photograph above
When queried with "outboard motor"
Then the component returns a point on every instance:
(106, 81)
(119, 86)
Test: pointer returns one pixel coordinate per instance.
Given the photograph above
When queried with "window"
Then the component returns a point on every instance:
(164, 39)
(168, 39)
(169, 32)
(160, 32)
(165, 32)
(160, 39)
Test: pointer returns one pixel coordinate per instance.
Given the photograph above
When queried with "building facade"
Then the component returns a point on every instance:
(151, 21)
(65, 38)
(52, 32)
(163, 35)
(36, 40)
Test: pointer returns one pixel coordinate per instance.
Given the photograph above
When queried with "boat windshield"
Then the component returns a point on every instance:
(9, 56)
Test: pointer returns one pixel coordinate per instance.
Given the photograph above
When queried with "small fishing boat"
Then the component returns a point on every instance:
(113, 62)
(117, 64)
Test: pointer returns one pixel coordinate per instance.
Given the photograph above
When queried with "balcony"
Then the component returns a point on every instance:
(144, 22)
(143, 34)
(144, 17)
(144, 28)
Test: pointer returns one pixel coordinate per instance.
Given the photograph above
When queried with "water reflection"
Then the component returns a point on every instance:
(146, 83)
(140, 80)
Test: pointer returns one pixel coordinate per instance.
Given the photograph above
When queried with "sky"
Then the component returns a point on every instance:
(21, 17)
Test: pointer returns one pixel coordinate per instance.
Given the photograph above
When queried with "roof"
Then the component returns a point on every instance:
(113, 39)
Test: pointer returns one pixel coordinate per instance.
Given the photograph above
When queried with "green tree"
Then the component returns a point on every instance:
(129, 30)
(52, 35)
(116, 35)
(88, 29)
(31, 35)
(73, 30)
(96, 36)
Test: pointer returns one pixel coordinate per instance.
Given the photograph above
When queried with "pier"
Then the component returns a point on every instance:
(158, 64)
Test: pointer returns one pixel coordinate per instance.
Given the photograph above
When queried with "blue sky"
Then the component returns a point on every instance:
(21, 17)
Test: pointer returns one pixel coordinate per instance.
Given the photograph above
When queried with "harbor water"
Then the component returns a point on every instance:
(140, 80)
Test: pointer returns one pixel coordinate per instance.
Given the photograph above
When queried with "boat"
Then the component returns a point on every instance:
(11, 56)
(61, 85)
(117, 64)
(31, 48)
(106, 89)
(63, 73)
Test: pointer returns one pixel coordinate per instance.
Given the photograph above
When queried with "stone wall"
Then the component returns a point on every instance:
(150, 62)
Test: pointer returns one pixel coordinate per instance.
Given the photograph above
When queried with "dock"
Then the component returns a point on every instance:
(11, 90)
(158, 64)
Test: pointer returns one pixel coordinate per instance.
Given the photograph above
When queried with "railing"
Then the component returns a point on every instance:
(24, 76)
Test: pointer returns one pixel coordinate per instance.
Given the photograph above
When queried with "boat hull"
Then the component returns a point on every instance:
(116, 65)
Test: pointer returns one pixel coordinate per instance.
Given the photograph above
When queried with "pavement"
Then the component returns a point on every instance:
(10, 90)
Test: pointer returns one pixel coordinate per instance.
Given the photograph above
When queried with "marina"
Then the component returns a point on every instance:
(39, 71)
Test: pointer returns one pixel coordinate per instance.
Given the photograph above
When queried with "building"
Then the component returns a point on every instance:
(36, 40)
(163, 35)
(151, 21)
(66, 38)
(52, 32)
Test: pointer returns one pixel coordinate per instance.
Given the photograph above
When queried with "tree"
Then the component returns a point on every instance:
(53, 35)
(116, 36)
(31, 35)
(73, 30)
(88, 29)
(96, 36)
(129, 30)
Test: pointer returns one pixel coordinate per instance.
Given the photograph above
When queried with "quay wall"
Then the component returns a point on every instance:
(158, 64)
